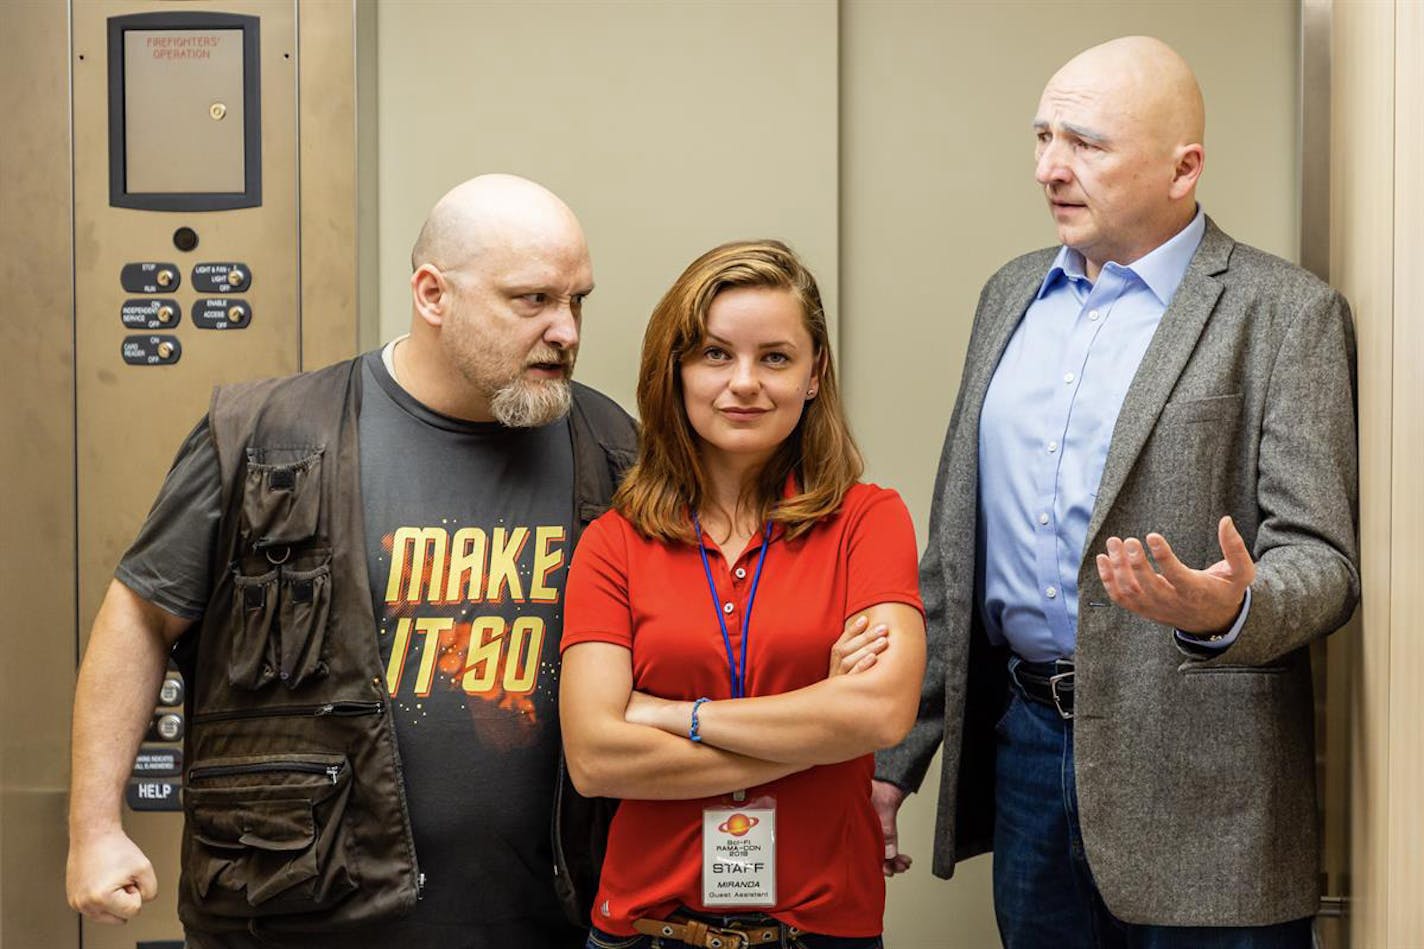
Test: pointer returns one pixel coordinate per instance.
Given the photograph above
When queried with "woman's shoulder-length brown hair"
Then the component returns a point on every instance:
(668, 478)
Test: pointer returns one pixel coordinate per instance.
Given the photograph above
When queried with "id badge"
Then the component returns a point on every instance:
(739, 854)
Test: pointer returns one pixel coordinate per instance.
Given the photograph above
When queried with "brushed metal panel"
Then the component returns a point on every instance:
(37, 470)
(131, 419)
(327, 108)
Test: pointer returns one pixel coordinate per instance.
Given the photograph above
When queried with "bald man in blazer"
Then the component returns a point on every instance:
(1144, 514)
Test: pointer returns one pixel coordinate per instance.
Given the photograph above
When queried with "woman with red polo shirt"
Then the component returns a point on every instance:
(741, 560)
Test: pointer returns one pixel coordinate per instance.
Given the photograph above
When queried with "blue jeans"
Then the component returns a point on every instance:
(1044, 895)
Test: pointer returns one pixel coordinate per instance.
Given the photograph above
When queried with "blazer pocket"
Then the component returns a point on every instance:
(1198, 670)
(1186, 468)
(1211, 408)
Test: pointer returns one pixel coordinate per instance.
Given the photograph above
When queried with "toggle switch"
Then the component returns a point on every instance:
(166, 315)
(171, 692)
(165, 349)
(169, 727)
(236, 278)
(164, 278)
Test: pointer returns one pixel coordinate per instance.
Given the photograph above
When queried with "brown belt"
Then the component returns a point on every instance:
(694, 932)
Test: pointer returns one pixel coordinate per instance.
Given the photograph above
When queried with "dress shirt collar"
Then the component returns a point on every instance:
(1161, 270)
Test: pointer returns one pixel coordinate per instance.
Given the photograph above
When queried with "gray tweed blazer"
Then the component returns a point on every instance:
(1196, 776)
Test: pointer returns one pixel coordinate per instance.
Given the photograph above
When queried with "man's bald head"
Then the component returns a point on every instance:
(500, 273)
(1120, 131)
(503, 210)
(1149, 81)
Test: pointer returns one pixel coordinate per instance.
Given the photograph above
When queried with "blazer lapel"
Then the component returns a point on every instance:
(1172, 345)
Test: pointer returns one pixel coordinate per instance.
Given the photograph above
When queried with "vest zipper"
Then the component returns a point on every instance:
(332, 771)
(340, 709)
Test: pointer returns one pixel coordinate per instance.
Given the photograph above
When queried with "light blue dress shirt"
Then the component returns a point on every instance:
(1044, 432)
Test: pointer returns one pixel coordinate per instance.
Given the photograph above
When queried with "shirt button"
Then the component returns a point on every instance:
(1052, 447)
(1068, 377)
(1043, 518)
(728, 607)
(1093, 314)
(741, 573)
(1052, 592)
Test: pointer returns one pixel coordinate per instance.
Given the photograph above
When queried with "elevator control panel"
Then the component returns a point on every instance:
(156, 782)
(185, 136)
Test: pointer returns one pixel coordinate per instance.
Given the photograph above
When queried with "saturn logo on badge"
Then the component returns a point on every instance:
(738, 824)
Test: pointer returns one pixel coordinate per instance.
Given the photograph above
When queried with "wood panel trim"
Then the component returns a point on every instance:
(1362, 264)
(1405, 865)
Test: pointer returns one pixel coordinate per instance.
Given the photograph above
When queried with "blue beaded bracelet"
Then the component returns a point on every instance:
(692, 730)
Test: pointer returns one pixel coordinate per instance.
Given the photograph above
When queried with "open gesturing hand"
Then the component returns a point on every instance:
(1198, 602)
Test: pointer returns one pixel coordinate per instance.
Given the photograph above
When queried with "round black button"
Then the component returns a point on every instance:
(185, 238)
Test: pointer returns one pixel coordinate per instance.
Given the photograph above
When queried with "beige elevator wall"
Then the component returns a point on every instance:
(668, 127)
(888, 140)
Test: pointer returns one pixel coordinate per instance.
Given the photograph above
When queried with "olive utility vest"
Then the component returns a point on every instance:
(295, 807)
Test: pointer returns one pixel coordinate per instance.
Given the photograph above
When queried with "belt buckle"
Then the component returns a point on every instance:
(1053, 681)
(717, 938)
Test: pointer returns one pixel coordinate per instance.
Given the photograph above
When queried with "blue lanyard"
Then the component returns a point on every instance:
(738, 672)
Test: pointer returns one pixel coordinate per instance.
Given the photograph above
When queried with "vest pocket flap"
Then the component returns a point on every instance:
(280, 824)
(266, 834)
(281, 496)
(253, 659)
(306, 603)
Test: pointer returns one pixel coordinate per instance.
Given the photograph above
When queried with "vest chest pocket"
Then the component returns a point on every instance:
(266, 834)
(281, 496)
(278, 626)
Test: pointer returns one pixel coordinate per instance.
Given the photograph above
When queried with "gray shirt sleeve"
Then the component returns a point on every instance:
(169, 563)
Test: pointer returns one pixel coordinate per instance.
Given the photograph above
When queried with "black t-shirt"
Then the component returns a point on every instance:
(467, 543)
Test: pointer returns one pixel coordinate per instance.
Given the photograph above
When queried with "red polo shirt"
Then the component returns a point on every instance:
(653, 599)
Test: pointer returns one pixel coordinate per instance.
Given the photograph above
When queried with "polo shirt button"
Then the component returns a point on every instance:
(1052, 447)
(728, 607)
(1043, 518)
(1052, 592)
(1068, 377)
(1093, 314)
(741, 573)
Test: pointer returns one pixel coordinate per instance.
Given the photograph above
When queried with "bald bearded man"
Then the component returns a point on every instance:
(360, 571)
(1144, 514)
